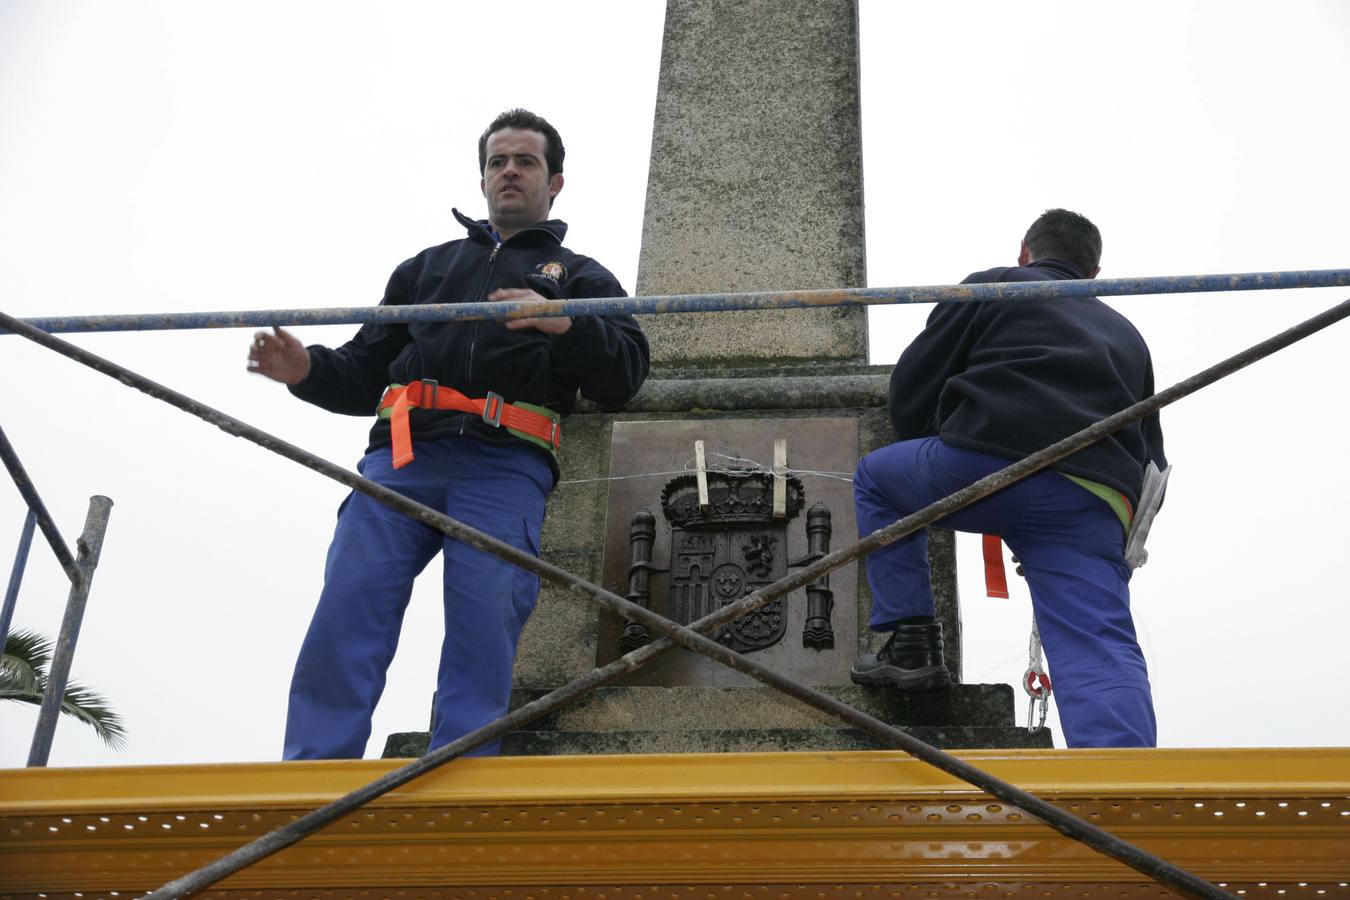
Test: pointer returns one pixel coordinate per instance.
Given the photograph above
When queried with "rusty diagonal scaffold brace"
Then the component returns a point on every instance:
(689, 637)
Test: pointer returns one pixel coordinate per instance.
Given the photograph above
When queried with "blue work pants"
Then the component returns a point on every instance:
(1071, 546)
(375, 555)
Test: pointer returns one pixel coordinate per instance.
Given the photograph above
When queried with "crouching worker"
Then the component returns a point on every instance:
(983, 385)
(468, 424)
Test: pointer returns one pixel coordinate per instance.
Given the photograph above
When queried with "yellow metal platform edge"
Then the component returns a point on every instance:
(1271, 772)
(545, 826)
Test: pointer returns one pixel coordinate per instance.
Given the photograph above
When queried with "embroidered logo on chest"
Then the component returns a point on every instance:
(553, 271)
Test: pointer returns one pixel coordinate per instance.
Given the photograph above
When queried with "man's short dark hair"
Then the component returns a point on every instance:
(524, 120)
(1061, 234)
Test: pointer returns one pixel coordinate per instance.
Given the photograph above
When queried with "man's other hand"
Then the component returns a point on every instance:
(546, 324)
(279, 356)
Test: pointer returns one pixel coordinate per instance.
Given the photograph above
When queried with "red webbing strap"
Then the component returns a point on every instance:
(399, 429)
(418, 395)
(995, 577)
(529, 422)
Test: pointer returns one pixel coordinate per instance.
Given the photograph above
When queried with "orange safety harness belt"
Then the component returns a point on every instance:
(399, 399)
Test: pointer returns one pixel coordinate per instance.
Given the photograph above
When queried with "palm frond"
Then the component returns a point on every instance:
(27, 650)
(82, 704)
(18, 679)
(93, 710)
(23, 679)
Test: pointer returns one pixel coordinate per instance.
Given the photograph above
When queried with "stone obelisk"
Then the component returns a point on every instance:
(756, 180)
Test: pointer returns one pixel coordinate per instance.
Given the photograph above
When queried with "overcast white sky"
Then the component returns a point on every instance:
(159, 156)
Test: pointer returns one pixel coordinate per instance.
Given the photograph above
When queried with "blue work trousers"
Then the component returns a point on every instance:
(375, 555)
(1070, 544)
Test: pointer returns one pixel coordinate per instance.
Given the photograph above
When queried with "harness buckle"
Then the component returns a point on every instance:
(429, 403)
(492, 409)
(553, 435)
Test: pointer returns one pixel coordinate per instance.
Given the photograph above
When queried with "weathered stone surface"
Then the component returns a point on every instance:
(874, 427)
(822, 388)
(558, 642)
(698, 719)
(576, 509)
(692, 707)
(755, 181)
(947, 737)
(585, 743)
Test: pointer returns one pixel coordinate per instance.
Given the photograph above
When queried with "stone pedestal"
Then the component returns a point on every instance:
(751, 720)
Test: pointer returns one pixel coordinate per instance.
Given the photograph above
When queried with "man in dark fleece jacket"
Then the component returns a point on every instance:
(987, 383)
(468, 424)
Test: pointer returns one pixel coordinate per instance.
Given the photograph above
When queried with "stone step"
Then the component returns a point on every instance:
(688, 708)
(733, 740)
(711, 719)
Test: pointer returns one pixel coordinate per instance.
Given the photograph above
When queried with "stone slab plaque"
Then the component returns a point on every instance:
(653, 463)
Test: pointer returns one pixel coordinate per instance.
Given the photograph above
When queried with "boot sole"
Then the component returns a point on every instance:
(929, 678)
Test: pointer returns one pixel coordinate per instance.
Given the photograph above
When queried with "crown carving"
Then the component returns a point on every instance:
(733, 498)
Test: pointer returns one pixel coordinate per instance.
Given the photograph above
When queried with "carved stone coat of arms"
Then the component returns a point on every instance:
(726, 550)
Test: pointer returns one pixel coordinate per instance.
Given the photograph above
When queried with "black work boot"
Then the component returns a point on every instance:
(911, 659)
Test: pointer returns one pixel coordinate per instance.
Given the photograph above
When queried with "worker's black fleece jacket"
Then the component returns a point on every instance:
(1009, 377)
(606, 358)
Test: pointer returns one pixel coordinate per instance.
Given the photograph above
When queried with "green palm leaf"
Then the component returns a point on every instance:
(23, 678)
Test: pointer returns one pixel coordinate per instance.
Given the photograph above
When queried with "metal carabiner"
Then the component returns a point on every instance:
(1037, 685)
(1031, 709)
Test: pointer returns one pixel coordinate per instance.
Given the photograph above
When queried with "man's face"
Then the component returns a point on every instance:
(515, 181)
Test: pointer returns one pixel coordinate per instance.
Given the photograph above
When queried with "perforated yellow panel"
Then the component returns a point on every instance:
(945, 891)
(834, 825)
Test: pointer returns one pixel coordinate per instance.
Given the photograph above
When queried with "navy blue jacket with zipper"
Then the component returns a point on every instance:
(1008, 378)
(606, 358)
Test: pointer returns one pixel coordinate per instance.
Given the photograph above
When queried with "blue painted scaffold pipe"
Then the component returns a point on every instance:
(688, 303)
(16, 575)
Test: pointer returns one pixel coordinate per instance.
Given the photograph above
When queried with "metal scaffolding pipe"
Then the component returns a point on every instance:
(38, 508)
(16, 575)
(91, 546)
(1067, 824)
(690, 303)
